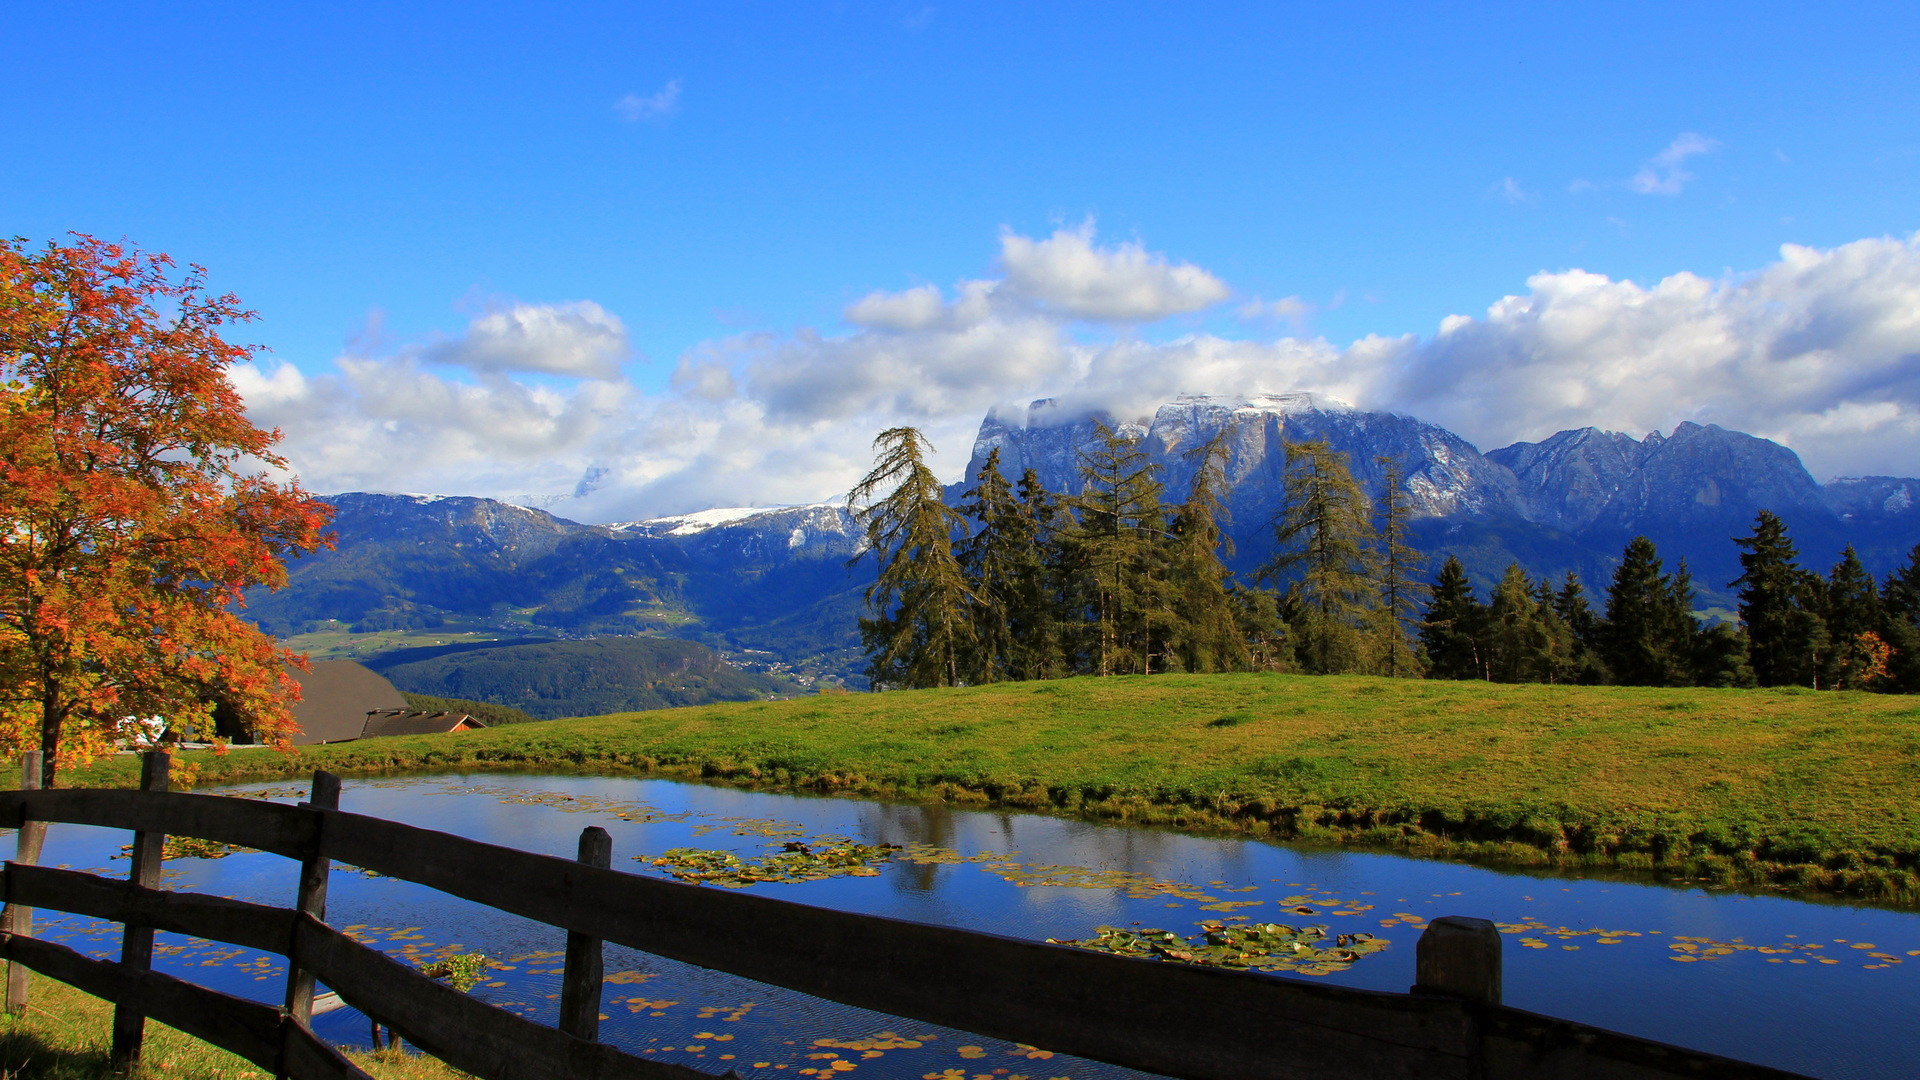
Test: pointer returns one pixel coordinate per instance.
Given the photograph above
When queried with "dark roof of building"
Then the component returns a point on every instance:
(335, 698)
(414, 722)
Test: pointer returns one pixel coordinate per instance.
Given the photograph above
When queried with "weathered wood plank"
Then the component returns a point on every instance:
(305, 1057)
(580, 979)
(1526, 1046)
(247, 1028)
(283, 830)
(310, 899)
(1195, 1022)
(237, 922)
(18, 919)
(461, 1030)
(136, 938)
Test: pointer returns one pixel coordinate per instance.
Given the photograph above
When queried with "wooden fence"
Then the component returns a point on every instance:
(1173, 1019)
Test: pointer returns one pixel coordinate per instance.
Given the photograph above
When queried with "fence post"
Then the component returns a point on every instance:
(18, 919)
(580, 985)
(1460, 957)
(136, 945)
(311, 900)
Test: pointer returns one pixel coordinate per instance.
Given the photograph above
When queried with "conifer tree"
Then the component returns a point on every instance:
(1518, 644)
(1570, 605)
(1778, 605)
(1720, 657)
(1649, 638)
(1400, 589)
(1327, 553)
(1205, 635)
(920, 629)
(1266, 634)
(989, 560)
(1900, 611)
(1035, 604)
(1560, 654)
(1120, 525)
(1451, 628)
(1857, 652)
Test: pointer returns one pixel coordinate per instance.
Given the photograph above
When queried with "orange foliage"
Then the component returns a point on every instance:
(132, 516)
(1864, 664)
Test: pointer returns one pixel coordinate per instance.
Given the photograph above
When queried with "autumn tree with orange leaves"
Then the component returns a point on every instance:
(135, 506)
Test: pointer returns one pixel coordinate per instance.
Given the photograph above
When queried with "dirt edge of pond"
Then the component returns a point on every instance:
(1715, 858)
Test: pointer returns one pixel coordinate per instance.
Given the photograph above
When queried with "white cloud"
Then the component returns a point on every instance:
(1509, 189)
(1291, 310)
(579, 339)
(1820, 349)
(1663, 173)
(1815, 349)
(1067, 274)
(658, 105)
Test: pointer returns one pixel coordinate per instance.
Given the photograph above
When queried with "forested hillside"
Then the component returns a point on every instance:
(578, 678)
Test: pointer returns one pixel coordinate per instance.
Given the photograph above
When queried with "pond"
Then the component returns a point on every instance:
(1824, 989)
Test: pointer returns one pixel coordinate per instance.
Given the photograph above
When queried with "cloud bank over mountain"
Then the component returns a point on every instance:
(1819, 350)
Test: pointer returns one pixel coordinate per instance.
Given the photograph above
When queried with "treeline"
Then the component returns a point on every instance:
(1020, 583)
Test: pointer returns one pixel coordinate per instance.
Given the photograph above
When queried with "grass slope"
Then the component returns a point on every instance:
(66, 1034)
(1793, 789)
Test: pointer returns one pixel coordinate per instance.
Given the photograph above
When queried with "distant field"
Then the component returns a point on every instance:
(1794, 789)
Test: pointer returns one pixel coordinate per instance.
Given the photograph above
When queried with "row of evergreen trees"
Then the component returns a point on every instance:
(1019, 583)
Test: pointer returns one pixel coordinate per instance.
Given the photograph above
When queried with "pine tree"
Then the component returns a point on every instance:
(1901, 596)
(920, 602)
(1785, 633)
(1570, 605)
(1856, 655)
(1518, 644)
(1120, 525)
(1900, 610)
(1034, 606)
(1206, 634)
(1720, 657)
(1400, 589)
(1451, 628)
(1649, 638)
(1326, 549)
(989, 560)
(1560, 655)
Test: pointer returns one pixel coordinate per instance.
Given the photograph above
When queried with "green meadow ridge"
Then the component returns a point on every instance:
(1789, 789)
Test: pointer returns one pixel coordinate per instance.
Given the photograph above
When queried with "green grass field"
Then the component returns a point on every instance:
(1797, 790)
(65, 1034)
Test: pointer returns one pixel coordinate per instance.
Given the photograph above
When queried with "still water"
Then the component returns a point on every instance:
(1825, 989)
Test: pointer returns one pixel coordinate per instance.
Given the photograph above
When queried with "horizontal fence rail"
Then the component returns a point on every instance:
(1182, 1021)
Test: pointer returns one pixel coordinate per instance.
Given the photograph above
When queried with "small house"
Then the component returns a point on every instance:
(415, 722)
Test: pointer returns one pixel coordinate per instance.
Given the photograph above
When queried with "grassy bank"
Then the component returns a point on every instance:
(1804, 791)
(66, 1034)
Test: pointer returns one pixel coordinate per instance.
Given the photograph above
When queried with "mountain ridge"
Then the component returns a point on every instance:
(772, 588)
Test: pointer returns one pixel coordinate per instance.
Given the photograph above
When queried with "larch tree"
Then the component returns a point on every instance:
(1207, 635)
(137, 505)
(920, 631)
(1327, 556)
(1401, 591)
(1121, 525)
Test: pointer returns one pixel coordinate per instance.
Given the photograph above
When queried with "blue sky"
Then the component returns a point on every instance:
(682, 192)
